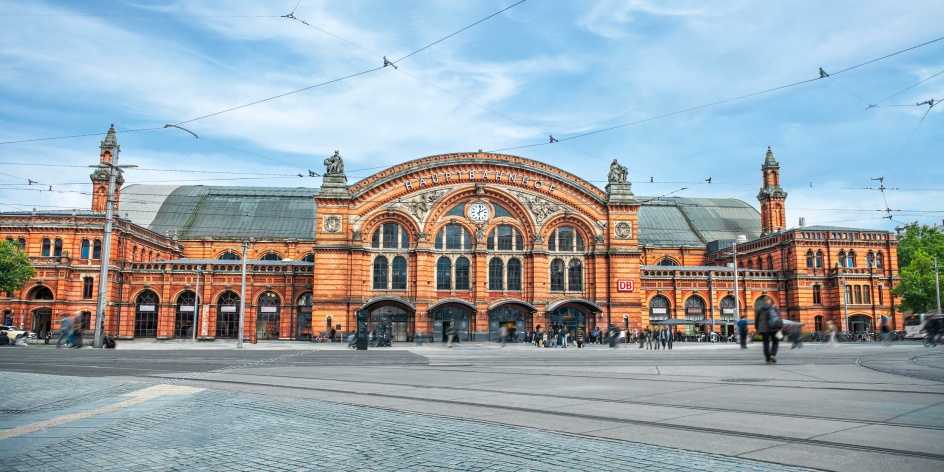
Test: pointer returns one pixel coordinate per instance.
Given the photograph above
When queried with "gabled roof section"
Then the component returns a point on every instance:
(678, 221)
(198, 211)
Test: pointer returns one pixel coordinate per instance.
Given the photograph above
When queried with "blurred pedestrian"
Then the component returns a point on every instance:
(831, 331)
(742, 330)
(65, 330)
(796, 337)
(504, 335)
(450, 334)
(768, 322)
(886, 332)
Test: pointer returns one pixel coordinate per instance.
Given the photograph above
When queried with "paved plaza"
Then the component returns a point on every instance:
(298, 406)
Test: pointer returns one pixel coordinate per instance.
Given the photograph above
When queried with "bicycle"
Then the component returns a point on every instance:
(931, 341)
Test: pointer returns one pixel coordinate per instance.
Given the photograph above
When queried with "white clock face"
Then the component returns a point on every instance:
(479, 212)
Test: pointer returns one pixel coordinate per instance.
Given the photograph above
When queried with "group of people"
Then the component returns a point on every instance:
(70, 331)
(653, 338)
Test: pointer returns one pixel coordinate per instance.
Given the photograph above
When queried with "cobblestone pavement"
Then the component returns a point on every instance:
(218, 430)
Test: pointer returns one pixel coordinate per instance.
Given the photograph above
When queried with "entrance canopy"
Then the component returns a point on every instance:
(519, 303)
(676, 322)
(575, 301)
(454, 301)
(405, 305)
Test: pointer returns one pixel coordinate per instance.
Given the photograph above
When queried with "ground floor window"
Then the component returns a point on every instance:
(453, 316)
(227, 315)
(509, 317)
(569, 320)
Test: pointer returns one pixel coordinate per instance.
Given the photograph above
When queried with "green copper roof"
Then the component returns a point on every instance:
(197, 211)
(673, 222)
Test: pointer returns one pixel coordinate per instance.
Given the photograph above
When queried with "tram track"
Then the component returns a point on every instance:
(608, 420)
(908, 373)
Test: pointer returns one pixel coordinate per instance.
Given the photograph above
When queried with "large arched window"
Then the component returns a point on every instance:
(819, 259)
(42, 293)
(665, 261)
(85, 249)
(271, 257)
(565, 239)
(770, 262)
(227, 315)
(851, 259)
(842, 258)
(57, 248)
(514, 274)
(694, 308)
(268, 316)
(728, 308)
(184, 320)
(453, 236)
(380, 273)
(809, 259)
(557, 275)
(309, 258)
(398, 272)
(866, 294)
(229, 256)
(145, 315)
(22, 243)
(390, 236)
(496, 269)
(870, 259)
(879, 260)
(505, 238)
(443, 274)
(658, 308)
(462, 273)
(46, 245)
(97, 249)
(575, 275)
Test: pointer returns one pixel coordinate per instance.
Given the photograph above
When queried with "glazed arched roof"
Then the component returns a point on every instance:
(198, 211)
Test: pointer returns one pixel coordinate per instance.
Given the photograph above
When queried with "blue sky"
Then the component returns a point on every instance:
(543, 67)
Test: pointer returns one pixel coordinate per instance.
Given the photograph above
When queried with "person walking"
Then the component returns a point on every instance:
(886, 332)
(831, 330)
(768, 322)
(669, 336)
(65, 330)
(742, 330)
(450, 334)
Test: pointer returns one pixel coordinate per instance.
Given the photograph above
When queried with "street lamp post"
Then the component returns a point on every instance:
(242, 301)
(737, 298)
(937, 286)
(196, 305)
(106, 249)
(845, 299)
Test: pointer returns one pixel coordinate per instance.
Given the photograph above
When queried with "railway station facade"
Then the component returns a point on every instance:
(478, 241)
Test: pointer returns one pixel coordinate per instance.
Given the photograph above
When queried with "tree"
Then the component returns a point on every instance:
(917, 249)
(15, 268)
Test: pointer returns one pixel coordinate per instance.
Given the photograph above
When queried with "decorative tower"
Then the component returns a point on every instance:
(772, 213)
(108, 155)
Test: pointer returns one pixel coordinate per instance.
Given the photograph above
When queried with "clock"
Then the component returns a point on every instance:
(479, 212)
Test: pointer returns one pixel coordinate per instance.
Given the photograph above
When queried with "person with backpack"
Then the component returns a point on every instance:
(768, 322)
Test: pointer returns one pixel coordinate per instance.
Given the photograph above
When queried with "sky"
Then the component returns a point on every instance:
(678, 92)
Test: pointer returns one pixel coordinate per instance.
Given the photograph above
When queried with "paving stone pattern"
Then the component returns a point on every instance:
(218, 430)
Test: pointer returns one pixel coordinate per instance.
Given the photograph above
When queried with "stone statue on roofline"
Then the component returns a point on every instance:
(334, 164)
(618, 173)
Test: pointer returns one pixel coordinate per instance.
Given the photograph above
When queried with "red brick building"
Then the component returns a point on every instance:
(480, 241)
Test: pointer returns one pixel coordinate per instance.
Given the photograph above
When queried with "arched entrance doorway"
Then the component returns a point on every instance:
(227, 315)
(303, 317)
(658, 308)
(575, 317)
(728, 315)
(42, 322)
(860, 323)
(267, 318)
(184, 319)
(452, 314)
(515, 316)
(145, 314)
(391, 316)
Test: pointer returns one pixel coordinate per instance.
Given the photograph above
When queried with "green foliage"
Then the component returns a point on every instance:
(15, 268)
(917, 248)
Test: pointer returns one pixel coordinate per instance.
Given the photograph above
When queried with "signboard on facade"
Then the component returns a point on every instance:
(146, 307)
(694, 311)
(268, 309)
(659, 311)
(186, 307)
(727, 311)
(625, 285)
(227, 309)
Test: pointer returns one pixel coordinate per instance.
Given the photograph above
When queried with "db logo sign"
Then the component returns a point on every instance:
(625, 285)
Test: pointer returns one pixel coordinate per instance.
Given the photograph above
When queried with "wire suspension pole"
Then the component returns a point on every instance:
(242, 301)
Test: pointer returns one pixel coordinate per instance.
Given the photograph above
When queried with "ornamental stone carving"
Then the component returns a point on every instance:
(537, 239)
(421, 204)
(600, 238)
(422, 236)
(357, 235)
(539, 207)
(331, 224)
(624, 230)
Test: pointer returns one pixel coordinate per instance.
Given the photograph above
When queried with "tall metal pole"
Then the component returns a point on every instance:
(845, 300)
(196, 306)
(937, 285)
(242, 300)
